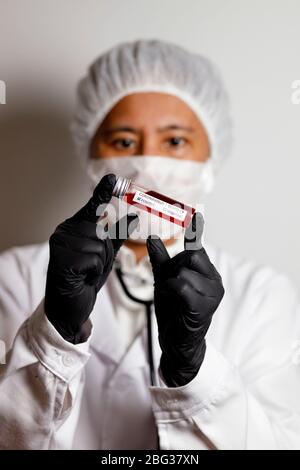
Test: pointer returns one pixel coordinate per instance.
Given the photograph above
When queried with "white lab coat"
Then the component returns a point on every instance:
(55, 395)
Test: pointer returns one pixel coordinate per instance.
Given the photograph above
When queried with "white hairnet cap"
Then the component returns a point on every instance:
(153, 65)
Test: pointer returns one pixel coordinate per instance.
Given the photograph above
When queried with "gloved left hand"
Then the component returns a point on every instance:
(81, 257)
(187, 291)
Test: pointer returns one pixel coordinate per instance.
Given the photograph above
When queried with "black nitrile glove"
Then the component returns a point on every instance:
(80, 262)
(187, 292)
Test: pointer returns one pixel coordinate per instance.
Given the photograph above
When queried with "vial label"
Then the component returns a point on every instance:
(158, 205)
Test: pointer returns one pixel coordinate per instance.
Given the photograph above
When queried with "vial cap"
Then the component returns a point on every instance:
(121, 186)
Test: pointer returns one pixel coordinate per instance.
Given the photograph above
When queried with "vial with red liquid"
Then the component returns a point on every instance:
(153, 202)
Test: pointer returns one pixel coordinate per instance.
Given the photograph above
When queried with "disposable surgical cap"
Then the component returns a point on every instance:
(149, 66)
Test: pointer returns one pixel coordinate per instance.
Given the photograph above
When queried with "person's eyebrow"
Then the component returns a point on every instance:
(175, 127)
(113, 130)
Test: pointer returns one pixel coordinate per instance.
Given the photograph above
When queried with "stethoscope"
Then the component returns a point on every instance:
(148, 304)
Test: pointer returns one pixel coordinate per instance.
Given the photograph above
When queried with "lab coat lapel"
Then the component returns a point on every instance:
(106, 339)
(137, 354)
(107, 342)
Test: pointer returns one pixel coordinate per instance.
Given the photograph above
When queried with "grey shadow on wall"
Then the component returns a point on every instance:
(41, 181)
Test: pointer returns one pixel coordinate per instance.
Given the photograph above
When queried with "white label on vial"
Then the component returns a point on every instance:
(160, 206)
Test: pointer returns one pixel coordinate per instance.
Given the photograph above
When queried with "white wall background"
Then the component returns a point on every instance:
(46, 45)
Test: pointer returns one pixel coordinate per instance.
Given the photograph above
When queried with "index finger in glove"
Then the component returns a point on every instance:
(197, 258)
(194, 232)
(96, 205)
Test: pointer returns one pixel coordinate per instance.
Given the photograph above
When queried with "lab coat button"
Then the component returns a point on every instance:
(67, 360)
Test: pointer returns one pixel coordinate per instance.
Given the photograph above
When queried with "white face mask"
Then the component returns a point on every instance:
(185, 181)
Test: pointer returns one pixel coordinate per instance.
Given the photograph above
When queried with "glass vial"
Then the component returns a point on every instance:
(153, 202)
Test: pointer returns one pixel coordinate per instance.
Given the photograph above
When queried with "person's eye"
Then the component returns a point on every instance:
(123, 143)
(177, 141)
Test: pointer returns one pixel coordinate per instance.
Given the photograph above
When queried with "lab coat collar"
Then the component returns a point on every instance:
(106, 339)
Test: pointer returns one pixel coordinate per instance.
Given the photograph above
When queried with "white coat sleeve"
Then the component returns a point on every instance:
(250, 400)
(41, 374)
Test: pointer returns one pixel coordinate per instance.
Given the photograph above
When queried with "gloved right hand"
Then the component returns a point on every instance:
(187, 292)
(80, 262)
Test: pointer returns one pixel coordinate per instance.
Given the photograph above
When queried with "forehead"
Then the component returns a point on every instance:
(150, 108)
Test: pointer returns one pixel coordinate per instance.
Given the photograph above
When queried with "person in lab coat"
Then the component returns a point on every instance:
(221, 339)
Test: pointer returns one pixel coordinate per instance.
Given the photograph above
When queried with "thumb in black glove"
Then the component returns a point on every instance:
(80, 262)
(187, 291)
